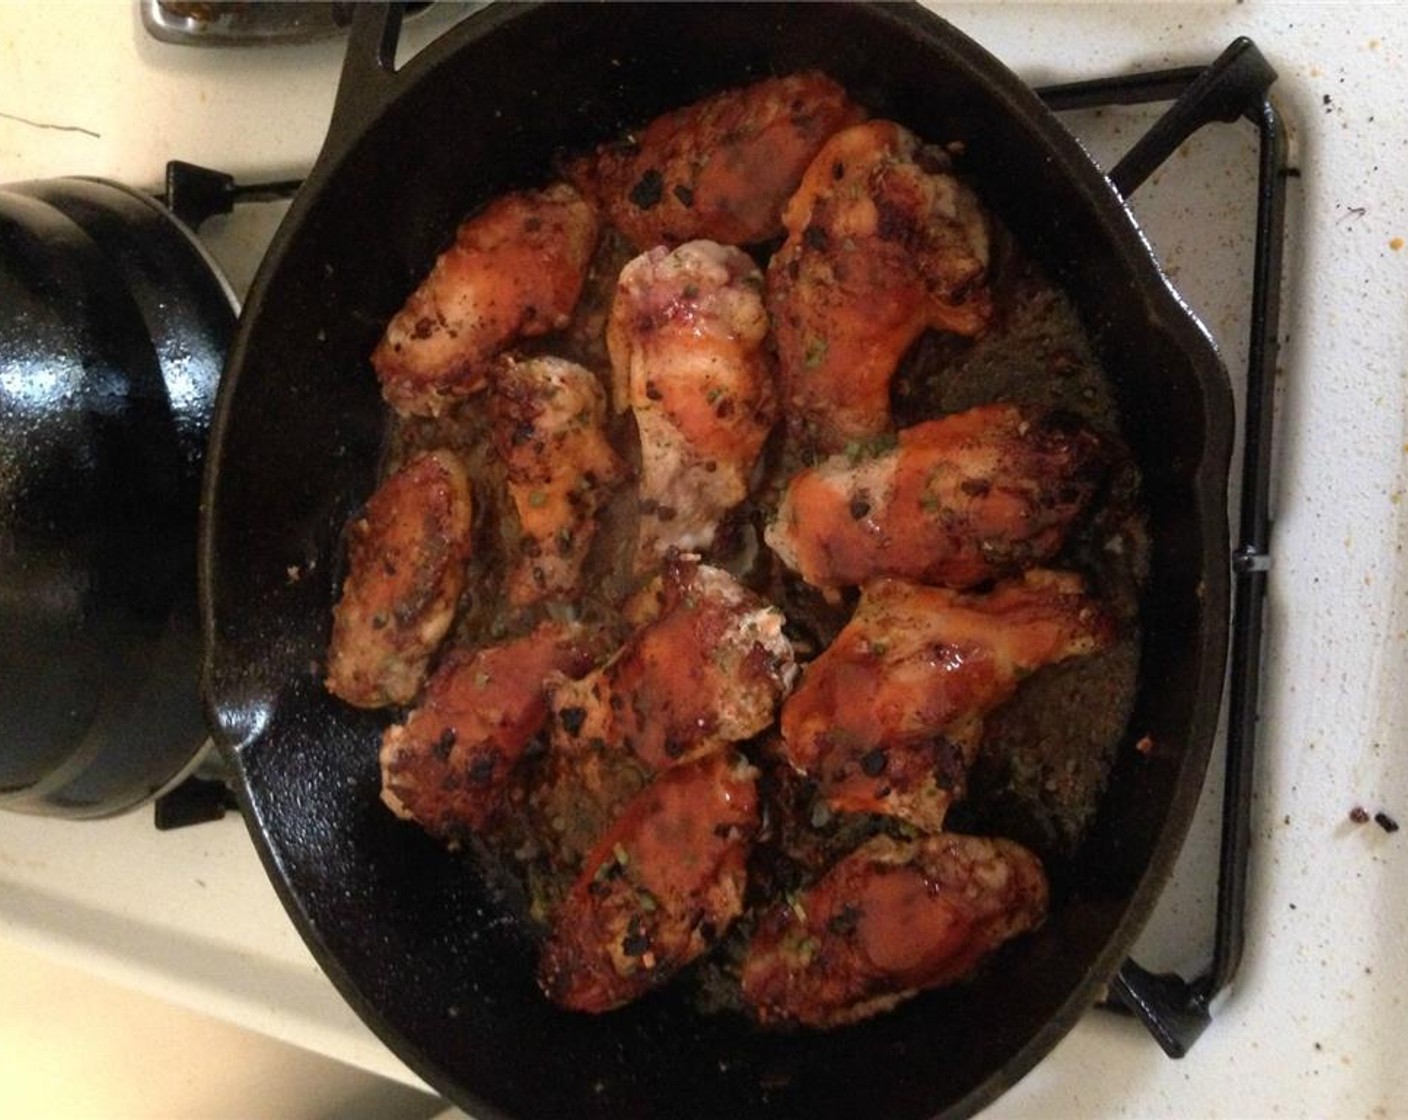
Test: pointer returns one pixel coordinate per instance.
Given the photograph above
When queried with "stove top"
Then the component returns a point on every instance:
(1308, 1027)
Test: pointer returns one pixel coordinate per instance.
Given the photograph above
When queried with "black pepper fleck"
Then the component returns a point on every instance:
(572, 719)
(648, 190)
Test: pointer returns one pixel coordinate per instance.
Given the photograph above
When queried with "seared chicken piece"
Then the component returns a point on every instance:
(711, 668)
(515, 270)
(887, 719)
(549, 428)
(658, 889)
(686, 336)
(961, 500)
(449, 766)
(882, 244)
(719, 169)
(406, 569)
(888, 921)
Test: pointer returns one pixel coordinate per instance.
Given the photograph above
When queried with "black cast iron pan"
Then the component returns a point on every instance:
(412, 936)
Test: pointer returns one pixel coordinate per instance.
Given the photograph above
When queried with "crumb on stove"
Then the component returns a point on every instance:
(1359, 815)
(1385, 822)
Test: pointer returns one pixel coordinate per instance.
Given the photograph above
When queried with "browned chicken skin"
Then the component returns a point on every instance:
(448, 767)
(959, 501)
(890, 920)
(658, 889)
(405, 573)
(687, 337)
(719, 169)
(882, 244)
(712, 667)
(887, 718)
(707, 665)
(549, 420)
(515, 270)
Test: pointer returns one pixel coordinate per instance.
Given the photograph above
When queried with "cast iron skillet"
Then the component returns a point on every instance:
(414, 937)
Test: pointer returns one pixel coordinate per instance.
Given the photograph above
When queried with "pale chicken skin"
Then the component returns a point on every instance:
(406, 571)
(888, 718)
(658, 889)
(687, 337)
(890, 920)
(549, 418)
(883, 243)
(514, 271)
(451, 764)
(959, 500)
(720, 169)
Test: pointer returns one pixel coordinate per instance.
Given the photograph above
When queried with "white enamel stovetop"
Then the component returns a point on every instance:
(1314, 1026)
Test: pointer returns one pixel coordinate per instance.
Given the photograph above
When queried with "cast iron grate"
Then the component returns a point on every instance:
(1236, 86)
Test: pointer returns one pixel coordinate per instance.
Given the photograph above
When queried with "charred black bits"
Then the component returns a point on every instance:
(845, 920)
(873, 763)
(859, 508)
(684, 194)
(648, 191)
(444, 744)
(674, 748)
(481, 770)
(838, 170)
(572, 719)
(636, 943)
(815, 237)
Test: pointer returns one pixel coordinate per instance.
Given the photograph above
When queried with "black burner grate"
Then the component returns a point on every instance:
(1234, 87)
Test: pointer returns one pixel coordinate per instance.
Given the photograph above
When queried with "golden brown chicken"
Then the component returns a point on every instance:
(450, 765)
(711, 668)
(549, 420)
(658, 889)
(515, 270)
(890, 920)
(959, 501)
(687, 338)
(405, 573)
(883, 242)
(719, 169)
(707, 665)
(887, 718)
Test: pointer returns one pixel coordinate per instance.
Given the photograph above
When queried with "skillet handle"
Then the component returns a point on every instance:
(368, 69)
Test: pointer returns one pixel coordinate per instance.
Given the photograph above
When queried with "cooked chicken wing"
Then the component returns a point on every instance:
(405, 573)
(449, 766)
(515, 270)
(961, 500)
(549, 420)
(883, 242)
(719, 169)
(711, 668)
(888, 718)
(658, 889)
(686, 335)
(888, 921)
